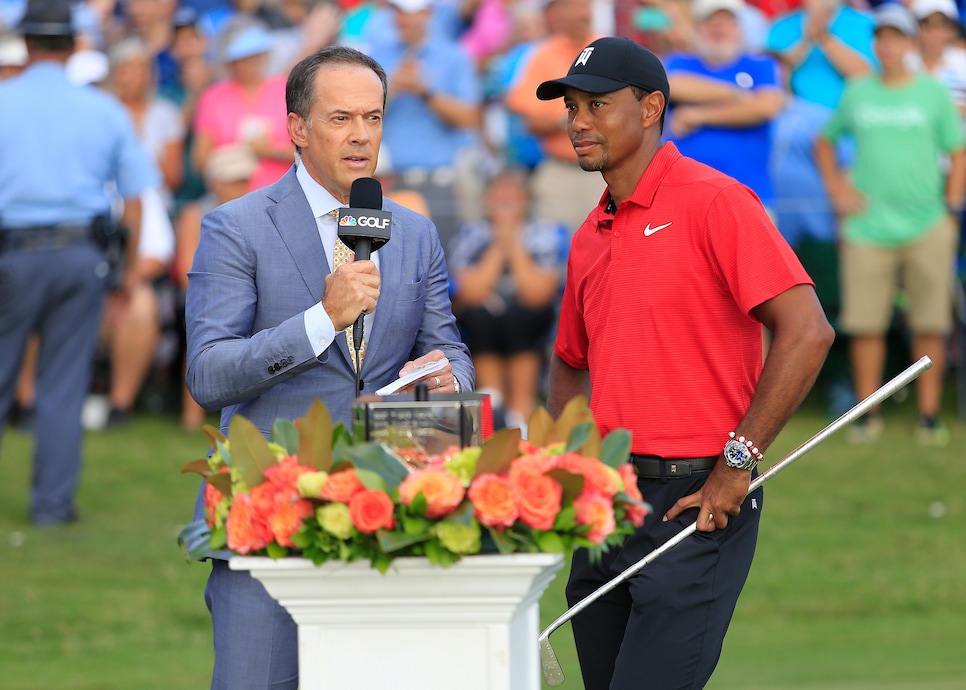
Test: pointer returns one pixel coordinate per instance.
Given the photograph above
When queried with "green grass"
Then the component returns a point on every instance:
(855, 585)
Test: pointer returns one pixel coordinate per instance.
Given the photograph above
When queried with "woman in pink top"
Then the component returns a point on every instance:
(248, 108)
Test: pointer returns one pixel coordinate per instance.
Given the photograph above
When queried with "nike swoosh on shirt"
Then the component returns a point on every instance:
(648, 231)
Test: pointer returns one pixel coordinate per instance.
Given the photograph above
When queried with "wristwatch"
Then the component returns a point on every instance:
(457, 388)
(739, 455)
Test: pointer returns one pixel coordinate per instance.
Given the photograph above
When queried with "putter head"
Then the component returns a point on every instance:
(553, 675)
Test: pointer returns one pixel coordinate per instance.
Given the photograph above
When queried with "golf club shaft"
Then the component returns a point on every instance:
(552, 673)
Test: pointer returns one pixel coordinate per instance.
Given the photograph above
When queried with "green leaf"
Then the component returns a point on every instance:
(566, 519)
(463, 514)
(214, 435)
(374, 457)
(191, 532)
(221, 481)
(615, 450)
(285, 434)
(539, 426)
(370, 479)
(199, 466)
(579, 436)
(276, 551)
(219, 538)
(315, 437)
(394, 541)
(572, 483)
(498, 452)
(249, 450)
(550, 542)
(574, 412)
(504, 543)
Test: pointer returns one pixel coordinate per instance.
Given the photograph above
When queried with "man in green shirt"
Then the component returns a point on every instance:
(897, 208)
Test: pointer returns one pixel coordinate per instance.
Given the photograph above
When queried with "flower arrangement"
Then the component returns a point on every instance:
(312, 490)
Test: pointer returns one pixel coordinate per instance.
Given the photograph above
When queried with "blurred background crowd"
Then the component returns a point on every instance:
(466, 142)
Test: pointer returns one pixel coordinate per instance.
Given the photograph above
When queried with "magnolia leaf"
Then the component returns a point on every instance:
(221, 481)
(539, 426)
(192, 531)
(498, 452)
(615, 449)
(315, 437)
(222, 448)
(214, 435)
(463, 514)
(572, 483)
(393, 541)
(575, 412)
(249, 450)
(589, 446)
(285, 434)
(370, 479)
(199, 466)
(374, 457)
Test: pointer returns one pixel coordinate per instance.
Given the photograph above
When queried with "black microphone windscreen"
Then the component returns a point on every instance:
(366, 192)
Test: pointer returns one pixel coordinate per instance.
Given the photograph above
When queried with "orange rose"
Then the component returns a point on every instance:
(636, 512)
(494, 500)
(286, 520)
(598, 477)
(286, 472)
(371, 510)
(443, 491)
(598, 512)
(537, 464)
(342, 486)
(540, 498)
(213, 499)
(244, 533)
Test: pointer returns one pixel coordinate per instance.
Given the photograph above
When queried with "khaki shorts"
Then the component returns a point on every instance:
(871, 275)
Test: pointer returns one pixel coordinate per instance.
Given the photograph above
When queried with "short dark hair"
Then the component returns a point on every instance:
(50, 44)
(300, 88)
(639, 94)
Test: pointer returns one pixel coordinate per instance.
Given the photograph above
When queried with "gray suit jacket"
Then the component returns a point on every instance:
(259, 265)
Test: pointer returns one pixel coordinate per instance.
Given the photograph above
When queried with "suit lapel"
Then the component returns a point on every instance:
(390, 271)
(296, 227)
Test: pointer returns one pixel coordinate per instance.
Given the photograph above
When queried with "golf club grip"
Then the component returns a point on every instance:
(553, 674)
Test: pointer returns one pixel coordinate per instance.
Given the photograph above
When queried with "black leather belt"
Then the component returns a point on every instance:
(653, 467)
(44, 237)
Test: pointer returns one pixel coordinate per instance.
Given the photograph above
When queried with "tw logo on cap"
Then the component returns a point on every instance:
(584, 56)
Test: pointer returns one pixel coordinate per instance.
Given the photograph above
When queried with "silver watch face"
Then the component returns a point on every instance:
(738, 455)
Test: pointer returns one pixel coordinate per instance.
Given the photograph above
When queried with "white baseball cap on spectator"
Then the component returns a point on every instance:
(411, 6)
(702, 9)
(253, 40)
(925, 8)
(896, 17)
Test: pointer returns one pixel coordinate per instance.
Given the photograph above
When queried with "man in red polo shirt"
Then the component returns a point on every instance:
(670, 280)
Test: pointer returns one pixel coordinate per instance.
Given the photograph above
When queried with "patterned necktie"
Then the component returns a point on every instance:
(341, 255)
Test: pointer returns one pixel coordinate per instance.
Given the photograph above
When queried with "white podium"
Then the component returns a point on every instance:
(472, 626)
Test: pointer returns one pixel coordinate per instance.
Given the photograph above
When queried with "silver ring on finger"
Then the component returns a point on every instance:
(438, 383)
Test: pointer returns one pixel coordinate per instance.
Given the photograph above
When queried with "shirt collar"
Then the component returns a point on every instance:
(320, 200)
(643, 194)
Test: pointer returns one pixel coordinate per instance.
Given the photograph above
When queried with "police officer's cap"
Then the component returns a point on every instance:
(47, 18)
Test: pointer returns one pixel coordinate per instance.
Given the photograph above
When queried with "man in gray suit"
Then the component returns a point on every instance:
(266, 313)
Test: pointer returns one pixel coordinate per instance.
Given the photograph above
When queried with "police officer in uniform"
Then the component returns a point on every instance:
(60, 146)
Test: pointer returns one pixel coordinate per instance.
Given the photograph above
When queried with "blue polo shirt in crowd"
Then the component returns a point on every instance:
(413, 134)
(92, 140)
(815, 79)
(741, 152)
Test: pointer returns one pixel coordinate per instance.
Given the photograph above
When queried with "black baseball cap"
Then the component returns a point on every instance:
(47, 18)
(609, 64)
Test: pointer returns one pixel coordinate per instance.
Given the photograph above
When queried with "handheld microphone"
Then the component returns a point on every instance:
(364, 227)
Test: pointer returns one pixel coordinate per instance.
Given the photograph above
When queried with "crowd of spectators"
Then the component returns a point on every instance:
(753, 85)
